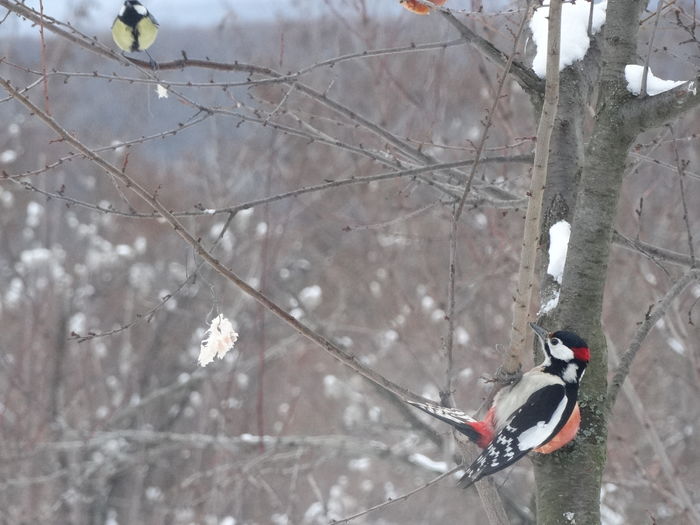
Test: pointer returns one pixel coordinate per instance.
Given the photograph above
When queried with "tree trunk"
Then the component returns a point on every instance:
(569, 481)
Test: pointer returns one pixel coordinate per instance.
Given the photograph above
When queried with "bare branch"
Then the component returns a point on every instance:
(650, 320)
(649, 430)
(489, 117)
(446, 394)
(341, 355)
(652, 251)
(645, 71)
(680, 166)
(527, 79)
(526, 271)
(403, 497)
(651, 112)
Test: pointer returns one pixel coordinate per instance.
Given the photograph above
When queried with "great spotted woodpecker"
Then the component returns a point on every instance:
(539, 412)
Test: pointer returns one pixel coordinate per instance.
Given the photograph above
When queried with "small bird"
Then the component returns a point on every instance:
(135, 29)
(421, 9)
(539, 412)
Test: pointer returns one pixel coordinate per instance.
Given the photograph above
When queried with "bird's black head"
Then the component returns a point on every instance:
(566, 354)
(574, 343)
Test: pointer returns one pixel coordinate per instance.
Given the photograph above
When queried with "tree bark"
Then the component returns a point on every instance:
(568, 482)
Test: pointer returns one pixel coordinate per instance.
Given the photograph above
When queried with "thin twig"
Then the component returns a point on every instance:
(680, 166)
(660, 453)
(446, 394)
(644, 328)
(522, 74)
(489, 116)
(47, 107)
(516, 202)
(147, 316)
(341, 355)
(655, 253)
(200, 116)
(403, 497)
(531, 234)
(645, 71)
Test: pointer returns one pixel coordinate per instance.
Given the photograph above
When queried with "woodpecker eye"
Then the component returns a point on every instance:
(554, 341)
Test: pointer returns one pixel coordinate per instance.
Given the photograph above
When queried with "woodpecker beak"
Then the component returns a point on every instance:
(541, 332)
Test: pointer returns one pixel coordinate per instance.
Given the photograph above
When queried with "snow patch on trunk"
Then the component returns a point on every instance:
(574, 32)
(559, 234)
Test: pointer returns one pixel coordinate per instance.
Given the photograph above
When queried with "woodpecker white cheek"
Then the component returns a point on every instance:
(561, 352)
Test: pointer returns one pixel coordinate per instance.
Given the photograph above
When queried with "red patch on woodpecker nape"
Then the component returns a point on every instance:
(582, 354)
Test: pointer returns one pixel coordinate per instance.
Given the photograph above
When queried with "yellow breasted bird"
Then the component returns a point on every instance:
(135, 29)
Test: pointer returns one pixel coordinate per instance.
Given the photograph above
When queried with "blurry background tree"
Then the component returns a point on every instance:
(322, 160)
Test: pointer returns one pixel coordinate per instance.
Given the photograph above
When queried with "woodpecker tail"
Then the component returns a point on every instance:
(480, 432)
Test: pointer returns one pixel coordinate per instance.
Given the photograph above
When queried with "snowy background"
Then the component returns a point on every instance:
(106, 416)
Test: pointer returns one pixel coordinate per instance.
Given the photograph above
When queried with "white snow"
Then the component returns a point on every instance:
(219, 339)
(6, 198)
(462, 336)
(261, 229)
(8, 156)
(559, 234)
(427, 463)
(35, 212)
(388, 338)
(161, 91)
(676, 345)
(35, 257)
(574, 32)
(438, 315)
(550, 305)
(14, 292)
(465, 373)
(359, 464)
(427, 303)
(124, 250)
(655, 85)
(311, 296)
(77, 322)
(332, 387)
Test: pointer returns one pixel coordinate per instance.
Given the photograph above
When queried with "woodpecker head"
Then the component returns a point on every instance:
(566, 354)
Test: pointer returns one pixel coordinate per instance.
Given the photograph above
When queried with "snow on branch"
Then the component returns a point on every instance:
(655, 85)
(574, 24)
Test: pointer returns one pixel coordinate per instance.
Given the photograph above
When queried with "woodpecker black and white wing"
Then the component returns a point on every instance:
(544, 413)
